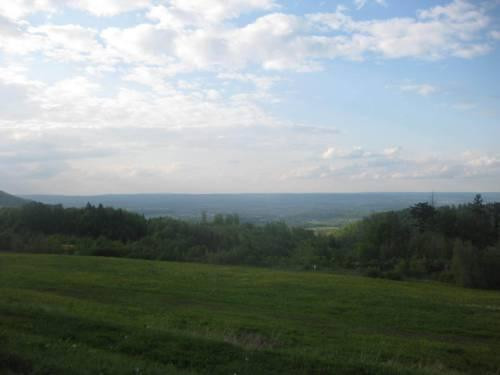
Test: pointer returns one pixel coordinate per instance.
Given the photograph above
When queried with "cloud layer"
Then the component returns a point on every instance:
(199, 35)
(172, 93)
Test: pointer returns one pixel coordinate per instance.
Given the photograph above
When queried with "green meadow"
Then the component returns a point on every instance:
(90, 315)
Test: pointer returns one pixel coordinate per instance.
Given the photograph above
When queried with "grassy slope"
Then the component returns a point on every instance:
(61, 314)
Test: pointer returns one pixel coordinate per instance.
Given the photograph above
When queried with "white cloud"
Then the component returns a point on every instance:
(216, 11)
(355, 153)
(193, 35)
(465, 106)
(423, 89)
(18, 94)
(153, 77)
(392, 152)
(84, 102)
(495, 34)
(307, 172)
(442, 31)
(390, 165)
(180, 14)
(168, 19)
(267, 42)
(261, 82)
(282, 41)
(270, 41)
(360, 153)
(68, 90)
(8, 27)
(109, 7)
(69, 36)
(329, 152)
(190, 84)
(361, 3)
(17, 9)
(476, 161)
(15, 40)
(143, 43)
(69, 43)
(458, 10)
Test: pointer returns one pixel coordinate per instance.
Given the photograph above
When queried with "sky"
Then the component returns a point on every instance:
(236, 96)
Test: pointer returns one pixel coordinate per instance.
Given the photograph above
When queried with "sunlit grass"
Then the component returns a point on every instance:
(128, 316)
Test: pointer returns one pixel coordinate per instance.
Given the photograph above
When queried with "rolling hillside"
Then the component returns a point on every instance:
(79, 315)
(7, 200)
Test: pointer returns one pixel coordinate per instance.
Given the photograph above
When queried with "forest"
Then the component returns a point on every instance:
(456, 244)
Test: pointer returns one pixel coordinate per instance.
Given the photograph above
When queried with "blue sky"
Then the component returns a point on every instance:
(116, 96)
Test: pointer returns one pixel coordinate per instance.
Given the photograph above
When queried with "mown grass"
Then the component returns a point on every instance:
(80, 315)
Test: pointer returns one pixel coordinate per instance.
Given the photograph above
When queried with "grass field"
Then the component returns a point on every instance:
(79, 315)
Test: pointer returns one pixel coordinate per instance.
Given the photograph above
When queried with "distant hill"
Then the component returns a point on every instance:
(8, 200)
(294, 209)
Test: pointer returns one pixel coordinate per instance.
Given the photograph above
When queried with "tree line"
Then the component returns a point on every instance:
(113, 232)
(459, 244)
(91, 221)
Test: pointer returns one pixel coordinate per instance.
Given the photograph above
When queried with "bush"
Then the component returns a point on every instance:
(490, 264)
(446, 277)
(465, 265)
(392, 275)
(372, 272)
